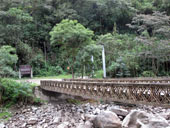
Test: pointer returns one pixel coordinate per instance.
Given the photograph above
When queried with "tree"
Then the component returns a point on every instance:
(144, 6)
(84, 59)
(154, 37)
(162, 5)
(157, 24)
(8, 58)
(118, 47)
(11, 25)
(70, 36)
(12, 30)
(100, 15)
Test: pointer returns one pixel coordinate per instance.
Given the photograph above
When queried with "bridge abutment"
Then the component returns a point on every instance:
(51, 96)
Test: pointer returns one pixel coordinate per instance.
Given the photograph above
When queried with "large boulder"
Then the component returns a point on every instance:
(107, 119)
(119, 111)
(90, 117)
(141, 119)
(2, 125)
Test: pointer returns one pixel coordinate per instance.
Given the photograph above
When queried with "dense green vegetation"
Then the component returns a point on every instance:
(60, 36)
(12, 92)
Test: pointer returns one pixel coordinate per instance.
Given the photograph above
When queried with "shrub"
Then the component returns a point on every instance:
(12, 92)
(119, 68)
(148, 74)
(99, 74)
(51, 71)
(37, 62)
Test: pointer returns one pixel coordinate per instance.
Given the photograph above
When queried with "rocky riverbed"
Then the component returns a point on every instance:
(66, 115)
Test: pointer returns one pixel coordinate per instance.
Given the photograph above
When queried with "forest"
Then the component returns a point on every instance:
(60, 37)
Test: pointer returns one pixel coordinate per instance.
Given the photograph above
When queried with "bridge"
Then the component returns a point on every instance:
(134, 91)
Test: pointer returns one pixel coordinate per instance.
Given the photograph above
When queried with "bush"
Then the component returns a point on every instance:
(99, 74)
(37, 62)
(119, 68)
(12, 92)
(148, 74)
(51, 71)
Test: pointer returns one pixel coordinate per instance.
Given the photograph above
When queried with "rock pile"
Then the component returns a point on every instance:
(88, 116)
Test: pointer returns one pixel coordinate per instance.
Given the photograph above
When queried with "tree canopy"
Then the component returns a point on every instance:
(51, 35)
(70, 36)
(8, 57)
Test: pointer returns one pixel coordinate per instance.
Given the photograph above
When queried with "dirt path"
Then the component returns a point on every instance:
(36, 81)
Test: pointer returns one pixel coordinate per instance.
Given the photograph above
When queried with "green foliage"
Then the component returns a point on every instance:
(162, 5)
(8, 58)
(102, 14)
(4, 115)
(84, 59)
(153, 41)
(74, 101)
(70, 36)
(24, 52)
(37, 62)
(11, 25)
(98, 74)
(19, 15)
(38, 101)
(51, 71)
(143, 6)
(13, 92)
(119, 68)
(120, 54)
(148, 74)
(26, 25)
(61, 76)
(157, 24)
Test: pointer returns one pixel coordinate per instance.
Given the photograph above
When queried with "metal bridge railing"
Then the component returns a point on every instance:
(125, 80)
(145, 93)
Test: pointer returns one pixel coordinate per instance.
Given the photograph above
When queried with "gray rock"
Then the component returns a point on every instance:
(89, 117)
(57, 120)
(2, 125)
(32, 121)
(65, 115)
(80, 125)
(119, 111)
(45, 125)
(63, 125)
(38, 126)
(80, 111)
(34, 108)
(60, 113)
(82, 117)
(166, 115)
(96, 111)
(141, 119)
(23, 125)
(107, 119)
(86, 125)
(72, 121)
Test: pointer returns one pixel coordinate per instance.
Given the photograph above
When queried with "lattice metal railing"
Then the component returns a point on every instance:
(125, 80)
(155, 93)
